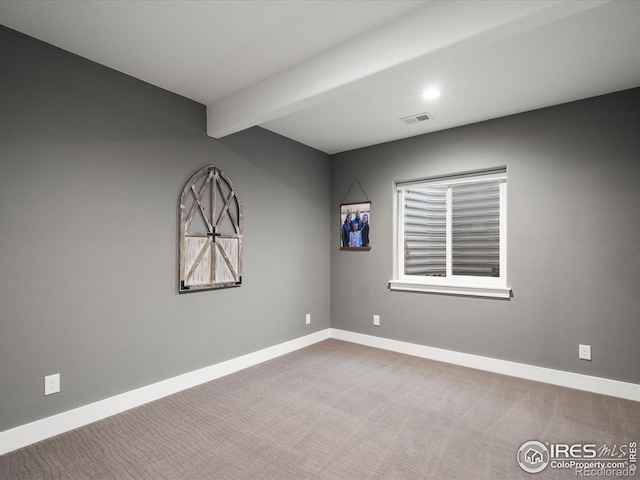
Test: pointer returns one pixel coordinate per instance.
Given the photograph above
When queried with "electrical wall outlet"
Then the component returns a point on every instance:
(376, 320)
(308, 319)
(52, 384)
(584, 352)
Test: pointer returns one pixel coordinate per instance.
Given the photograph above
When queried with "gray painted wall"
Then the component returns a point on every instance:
(92, 163)
(573, 239)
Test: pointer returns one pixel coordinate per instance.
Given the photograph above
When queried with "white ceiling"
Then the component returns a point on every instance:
(339, 75)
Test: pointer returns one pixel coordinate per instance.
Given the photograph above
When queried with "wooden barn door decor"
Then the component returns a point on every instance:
(210, 232)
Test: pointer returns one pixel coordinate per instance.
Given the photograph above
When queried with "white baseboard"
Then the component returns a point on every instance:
(39, 430)
(614, 388)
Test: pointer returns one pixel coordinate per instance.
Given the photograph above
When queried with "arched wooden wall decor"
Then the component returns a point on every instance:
(210, 232)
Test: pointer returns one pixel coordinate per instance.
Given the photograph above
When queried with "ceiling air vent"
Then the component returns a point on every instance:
(419, 117)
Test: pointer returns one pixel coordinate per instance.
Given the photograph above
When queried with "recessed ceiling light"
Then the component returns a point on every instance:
(431, 93)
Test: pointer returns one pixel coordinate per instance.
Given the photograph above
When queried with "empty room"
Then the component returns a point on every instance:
(316, 239)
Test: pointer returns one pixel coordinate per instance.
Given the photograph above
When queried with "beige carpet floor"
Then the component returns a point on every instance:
(335, 410)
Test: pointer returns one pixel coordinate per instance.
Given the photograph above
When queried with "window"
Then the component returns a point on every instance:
(451, 235)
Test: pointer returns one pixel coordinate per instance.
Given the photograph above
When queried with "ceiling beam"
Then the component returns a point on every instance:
(434, 27)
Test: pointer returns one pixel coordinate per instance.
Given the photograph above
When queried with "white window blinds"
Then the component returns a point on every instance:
(476, 229)
(452, 226)
(425, 232)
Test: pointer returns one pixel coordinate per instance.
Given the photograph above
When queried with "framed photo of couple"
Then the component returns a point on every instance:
(354, 226)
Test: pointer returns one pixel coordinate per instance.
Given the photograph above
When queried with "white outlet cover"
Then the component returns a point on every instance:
(308, 318)
(376, 320)
(52, 384)
(584, 352)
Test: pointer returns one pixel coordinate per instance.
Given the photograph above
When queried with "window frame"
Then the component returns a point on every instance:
(495, 287)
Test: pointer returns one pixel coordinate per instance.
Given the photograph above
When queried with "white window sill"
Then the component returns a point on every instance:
(469, 290)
